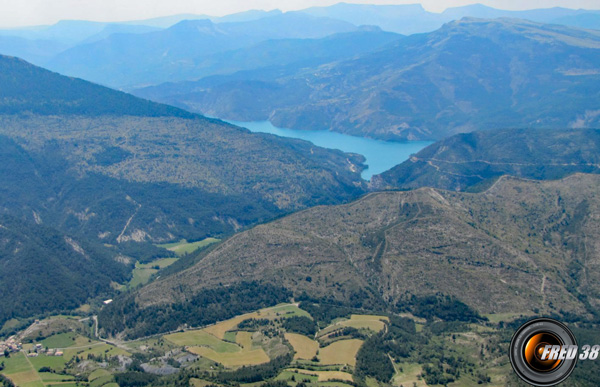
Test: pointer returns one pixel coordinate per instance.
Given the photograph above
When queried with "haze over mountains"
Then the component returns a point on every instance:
(500, 216)
(173, 54)
(469, 74)
(323, 69)
(412, 19)
(68, 46)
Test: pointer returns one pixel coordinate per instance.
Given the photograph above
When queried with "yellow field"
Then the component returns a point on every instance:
(374, 325)
(369, 317)
(409, 375)
(324, 376)
(358, 321)
(283, 310)
(244, 339)
(340, 352)
(219, 329)
(201, 338)
(232, 359)
(305, 347)
(200, 383)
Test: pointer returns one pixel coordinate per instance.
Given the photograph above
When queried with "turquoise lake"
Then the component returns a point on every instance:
(380, 155)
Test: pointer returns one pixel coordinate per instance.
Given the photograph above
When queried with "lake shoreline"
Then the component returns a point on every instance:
(379, 155)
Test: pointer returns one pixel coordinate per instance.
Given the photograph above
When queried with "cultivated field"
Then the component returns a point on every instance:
(340, 352)
(324, 376)
(207, 345)
(184, 247)
(232, 359)
(21, 371)
(374, 323)
(286, 310)
(305, 347)
(358, 321)
(143, 272)
(202, 338)
(221, 328)
(244, 339)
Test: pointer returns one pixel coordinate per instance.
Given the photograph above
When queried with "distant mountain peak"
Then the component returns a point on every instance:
(403, 7)
(191, 25)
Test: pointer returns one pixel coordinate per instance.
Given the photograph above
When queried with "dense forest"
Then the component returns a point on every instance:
(206, 307)
(46, 271)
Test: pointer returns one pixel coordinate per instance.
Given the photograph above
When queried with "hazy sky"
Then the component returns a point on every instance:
(36, 12)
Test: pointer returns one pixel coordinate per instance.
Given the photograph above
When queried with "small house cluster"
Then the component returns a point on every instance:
(38, 348)
(10, 345)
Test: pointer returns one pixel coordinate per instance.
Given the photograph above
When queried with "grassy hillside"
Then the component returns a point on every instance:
(530, 240)
(470, 74)
(473, 161)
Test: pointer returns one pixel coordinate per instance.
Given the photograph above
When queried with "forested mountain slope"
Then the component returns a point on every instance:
(531, 240)
(472, 161)
(115, 174)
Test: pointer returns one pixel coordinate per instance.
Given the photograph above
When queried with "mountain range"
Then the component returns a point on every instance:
(413, 18)
(470, 74)
(70, 46)
(526, 230)
(93, 179)
(174, 53)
